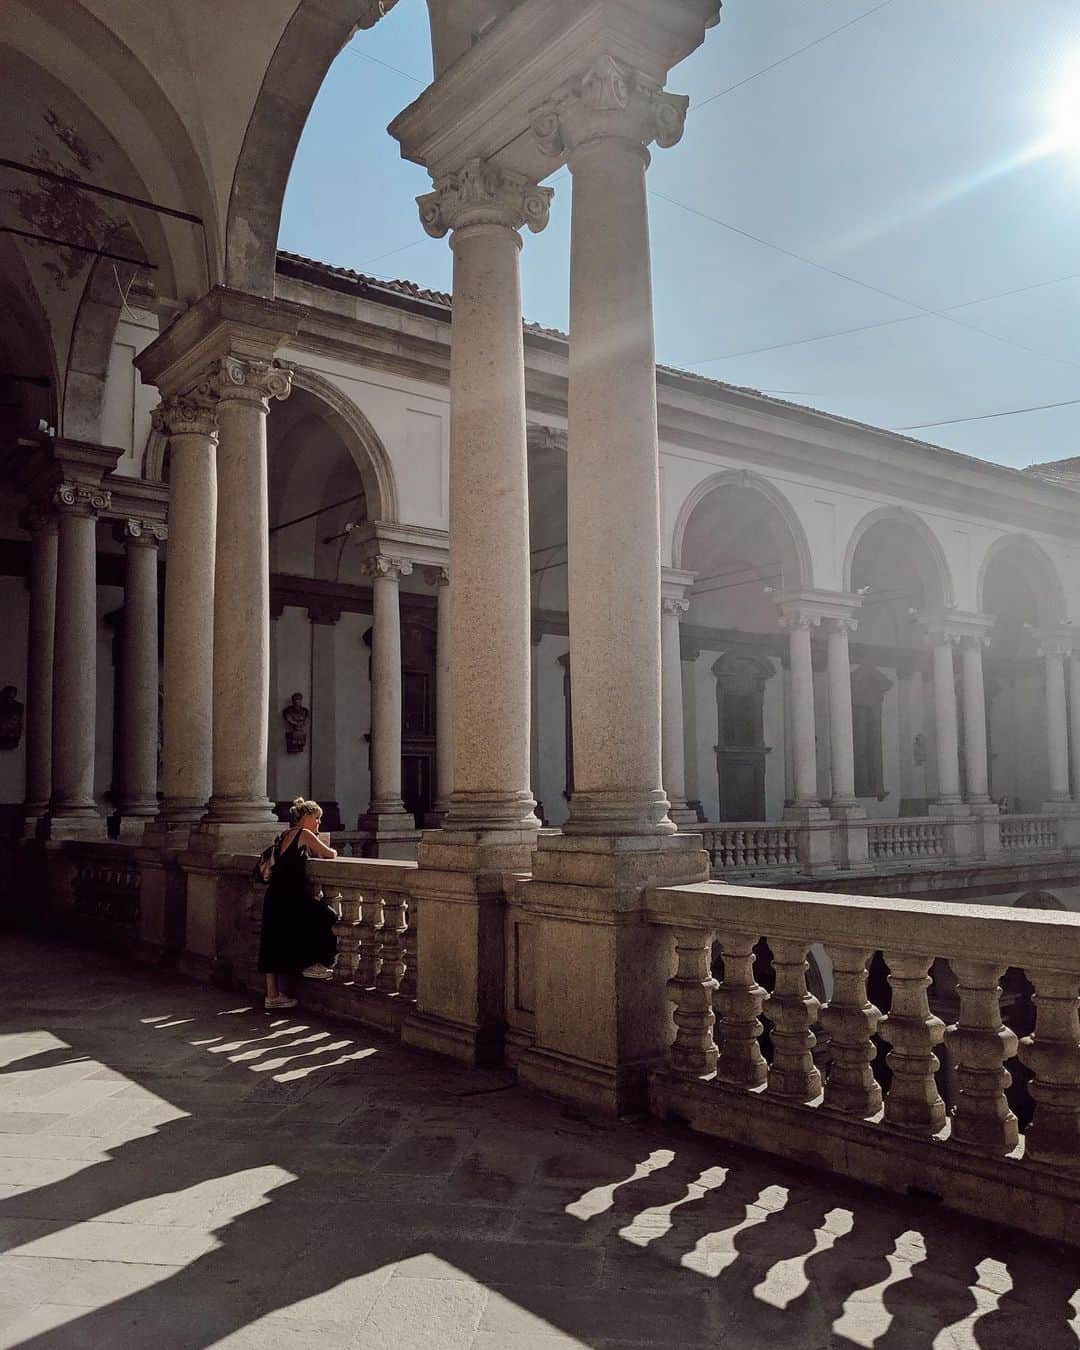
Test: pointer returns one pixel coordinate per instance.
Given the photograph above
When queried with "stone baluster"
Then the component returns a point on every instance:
(979, 1044)
(793, 1011)
(913, 1101)
(369, 927)
(347, 930)
(408, 982)
(241, 644)
(691, 988)
(850, 1020)
(1052, 1053)
(43, 528)
(738, 1001)
(139, 669)
(392, 948)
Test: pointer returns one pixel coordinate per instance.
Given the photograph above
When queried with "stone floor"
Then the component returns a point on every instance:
(179, 1170)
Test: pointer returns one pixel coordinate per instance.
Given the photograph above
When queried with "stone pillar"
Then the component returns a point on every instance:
(491, 805)
(1074, 722)
(188, 676)
(804, 747)
(1057, 726)
(975, 748)
(691, 748)
(439, 577)
(72, 810)
(324, 741)
(672, 729)
(42, 526)
(603, 124)
(139, 671)
(841, 727)
(241, 641)
(386, 816)
(945, 724)
(535, 725)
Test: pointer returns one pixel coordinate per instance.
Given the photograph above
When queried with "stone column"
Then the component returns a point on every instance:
(672, 729)
(42, 527)
(603, 123)
(1074, 722)
(188, 676)
(690, 729)
(72, 810)
(975, 749)
(324, 619)
(439, 577)
(139, 670)
(945, 725)
(535, 724)
(386, 811)
(485, 207)
(804, 748)
(841, 728)
(1057, 727)
(244, 388)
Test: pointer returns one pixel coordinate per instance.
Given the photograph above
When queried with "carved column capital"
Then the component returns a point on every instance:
(81, 499)
(143, 533)
(482, 194)
(37, 520)
(437, 576)
(835, 623)
(192, 413)
(251, 380)
(796, 619)
(324, 611)
(611, 100)
(673, 608)
(382, 566)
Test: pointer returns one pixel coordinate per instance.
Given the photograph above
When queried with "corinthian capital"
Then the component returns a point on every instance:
(482, 194)
(188, 414)
(673, 607)
(251, 380)
(610, 100)
(381, 566)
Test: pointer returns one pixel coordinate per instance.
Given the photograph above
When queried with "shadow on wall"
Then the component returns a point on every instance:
(223, 1169)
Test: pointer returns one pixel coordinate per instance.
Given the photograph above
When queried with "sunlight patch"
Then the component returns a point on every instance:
(787, 1280)
(290, 1075)
(713, 1253)
(865, 1317)
(654, 1222)
(602, 1198)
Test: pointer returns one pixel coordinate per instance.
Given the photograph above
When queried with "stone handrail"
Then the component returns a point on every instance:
(905, 837)
(750, 844)
(822, 1102)
(377, 928)
(1029, 833)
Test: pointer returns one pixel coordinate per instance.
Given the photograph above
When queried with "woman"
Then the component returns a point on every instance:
(297, 927)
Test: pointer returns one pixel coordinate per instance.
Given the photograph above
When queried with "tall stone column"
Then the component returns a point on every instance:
(386, 812)
(603, 123)
(975, 749)
(72, 810)
(1074, 722)
(803, 735)
(672, 727)
(691, 748)
(439, 577)
(324, 619)
(188, 676)
(945, 726)
(841, 727)
(1057, 728)
(139, 670)
(43, 527)
(244, 388)
(484, 208)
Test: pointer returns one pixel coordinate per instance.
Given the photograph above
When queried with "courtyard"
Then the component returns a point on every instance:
(178, 1169)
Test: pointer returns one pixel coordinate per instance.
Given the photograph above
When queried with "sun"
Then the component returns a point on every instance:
(1063, 109)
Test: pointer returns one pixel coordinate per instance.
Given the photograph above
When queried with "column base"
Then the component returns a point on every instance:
(806, 811)
(34, 814)
(475, 851)
(78, 823)
(391, 834)
(1060, 806)
(948, 806)
(240, 811)
(846, 809)
(601, 814)
(210, 837)
(490, 812)
(681, 813)
(983, 808)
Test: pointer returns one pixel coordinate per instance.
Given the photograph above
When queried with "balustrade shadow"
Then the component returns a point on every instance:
(396, 1165)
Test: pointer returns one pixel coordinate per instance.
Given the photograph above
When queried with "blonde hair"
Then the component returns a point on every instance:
(301, 808)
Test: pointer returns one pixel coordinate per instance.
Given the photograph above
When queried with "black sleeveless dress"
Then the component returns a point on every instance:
(297, 927)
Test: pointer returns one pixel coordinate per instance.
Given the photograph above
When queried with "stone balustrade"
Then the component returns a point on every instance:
(905, 839)
(1029, 834)
(813, 1089)
(743, 847)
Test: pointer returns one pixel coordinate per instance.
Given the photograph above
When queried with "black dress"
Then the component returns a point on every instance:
(297, 927)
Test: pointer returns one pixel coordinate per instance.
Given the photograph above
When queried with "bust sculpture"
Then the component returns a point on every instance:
(296, 718)
(11, 718)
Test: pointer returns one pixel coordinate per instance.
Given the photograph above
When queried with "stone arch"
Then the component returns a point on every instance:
(1038, 900)
(1038, 565)
(745, 479)
(933, 564)
(312, 39)
(363, 443)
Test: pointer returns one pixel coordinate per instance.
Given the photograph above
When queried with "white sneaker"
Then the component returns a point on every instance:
(317, 972)
(282, 1001)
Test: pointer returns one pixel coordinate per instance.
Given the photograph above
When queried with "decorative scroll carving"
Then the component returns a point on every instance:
(382, 566)
(671, 607)
(610, 99)
(251, 380)
(189, 414)
(82, 499)
(144, 532)
(437, 576)
(481, 194)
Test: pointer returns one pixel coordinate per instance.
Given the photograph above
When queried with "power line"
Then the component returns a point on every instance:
(366, 56)
(791, 56)
(986, 417)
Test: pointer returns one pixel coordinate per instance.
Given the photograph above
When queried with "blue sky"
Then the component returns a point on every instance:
(875, 209)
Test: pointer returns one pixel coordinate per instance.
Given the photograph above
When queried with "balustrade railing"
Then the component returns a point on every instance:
(746, 846)
(1028, 834)
(377, 924)
(821, 1089)
(905, 838)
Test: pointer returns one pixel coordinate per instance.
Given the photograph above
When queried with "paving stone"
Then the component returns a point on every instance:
(28, 1122)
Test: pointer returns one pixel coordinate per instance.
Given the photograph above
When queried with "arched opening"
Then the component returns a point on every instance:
(1020, 587)
(745, 546)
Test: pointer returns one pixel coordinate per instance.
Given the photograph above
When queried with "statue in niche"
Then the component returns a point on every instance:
(11, 718)
(296, 718)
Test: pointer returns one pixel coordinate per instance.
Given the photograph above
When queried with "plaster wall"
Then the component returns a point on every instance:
(127, 402)
(290, 774)
(353, 660)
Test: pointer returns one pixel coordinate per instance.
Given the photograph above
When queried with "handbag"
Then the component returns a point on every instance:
(264, 865)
